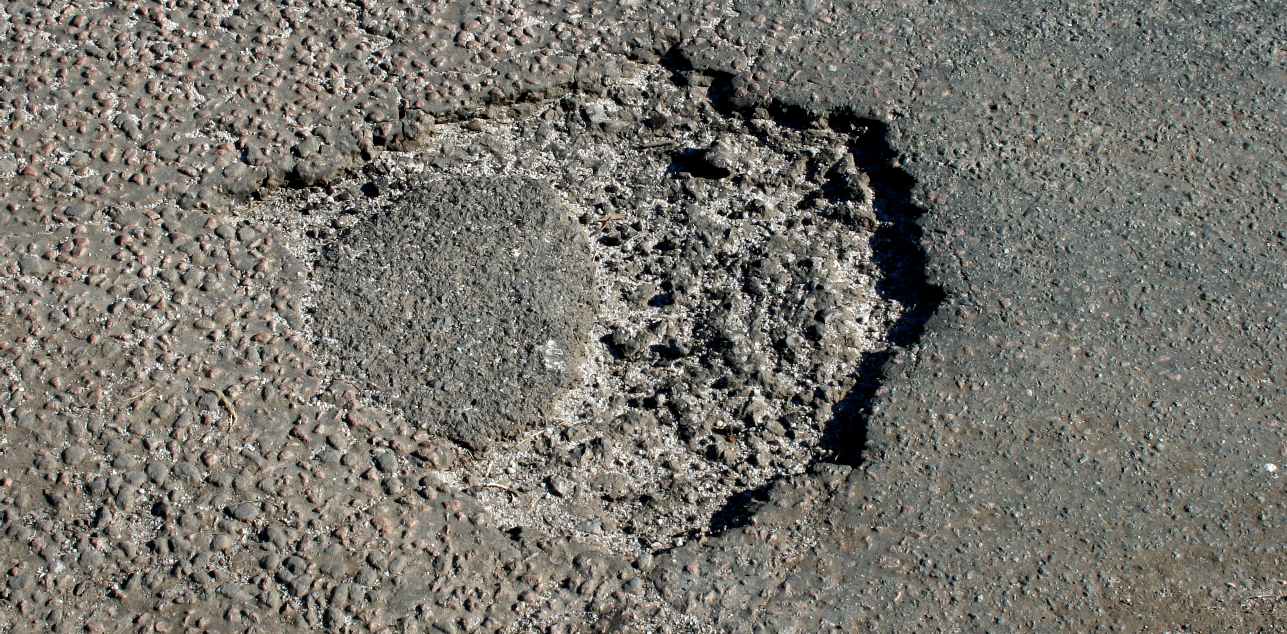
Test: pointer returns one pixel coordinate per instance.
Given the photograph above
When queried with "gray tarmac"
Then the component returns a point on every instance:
(1022, 369)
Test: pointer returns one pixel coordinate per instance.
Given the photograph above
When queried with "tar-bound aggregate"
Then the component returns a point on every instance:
(1089, 437)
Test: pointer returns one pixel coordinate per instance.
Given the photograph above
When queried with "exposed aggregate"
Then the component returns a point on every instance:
(734, 300)
(1085, 443)
(178, 454)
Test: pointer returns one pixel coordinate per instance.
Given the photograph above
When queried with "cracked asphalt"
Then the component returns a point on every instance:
(1076, 425)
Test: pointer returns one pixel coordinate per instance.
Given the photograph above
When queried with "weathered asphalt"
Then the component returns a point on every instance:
(1083, 438)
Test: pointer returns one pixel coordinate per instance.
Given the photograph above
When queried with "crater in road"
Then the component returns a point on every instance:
(632, 310)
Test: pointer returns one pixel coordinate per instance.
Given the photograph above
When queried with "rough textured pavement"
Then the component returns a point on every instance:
(1088, 434)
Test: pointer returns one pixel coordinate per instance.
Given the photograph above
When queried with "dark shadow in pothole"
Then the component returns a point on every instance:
(897, 251)
(694, 161)
(902, 260)
(738, 510)
(680, 67)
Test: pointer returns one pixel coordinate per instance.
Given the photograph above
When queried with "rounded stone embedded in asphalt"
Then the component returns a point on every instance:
(464, 303)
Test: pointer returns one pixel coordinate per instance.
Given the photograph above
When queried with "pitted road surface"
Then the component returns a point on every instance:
(1089, 433)
(1091, 436)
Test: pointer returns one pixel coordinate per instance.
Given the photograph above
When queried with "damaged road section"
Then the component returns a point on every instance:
(734, 298)
(239, 419)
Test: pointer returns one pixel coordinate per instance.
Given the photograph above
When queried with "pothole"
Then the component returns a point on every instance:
(733, 300)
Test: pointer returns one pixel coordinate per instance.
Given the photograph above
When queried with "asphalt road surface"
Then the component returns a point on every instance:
(412, 316)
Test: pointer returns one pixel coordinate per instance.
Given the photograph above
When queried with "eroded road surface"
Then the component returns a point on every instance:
(685, 316)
